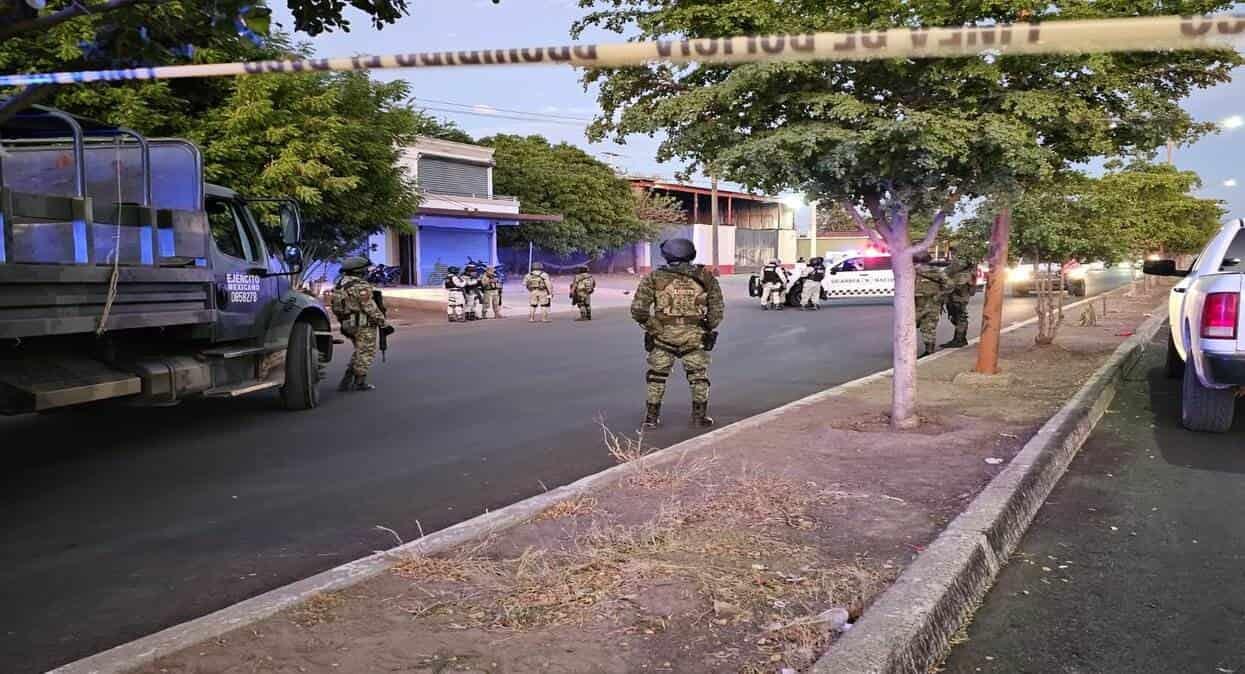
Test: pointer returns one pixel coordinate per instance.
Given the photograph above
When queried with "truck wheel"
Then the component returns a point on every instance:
(302, 369)
(1078, 289)
(1175, 367)
(1205, 409)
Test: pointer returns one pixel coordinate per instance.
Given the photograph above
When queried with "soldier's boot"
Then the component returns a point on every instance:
(700, 415)
(930, 347)
(360, 384)
(652, 415)
(347, 382)
(960, 339)
(588, 314)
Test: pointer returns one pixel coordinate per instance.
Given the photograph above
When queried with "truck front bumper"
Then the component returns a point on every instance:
(1225, 369)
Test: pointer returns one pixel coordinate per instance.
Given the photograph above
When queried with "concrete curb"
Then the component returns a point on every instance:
(908, 628)
(141, 651)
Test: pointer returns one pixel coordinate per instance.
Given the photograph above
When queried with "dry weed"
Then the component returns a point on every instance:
(575, 507)
(457, 569)
(317, 610)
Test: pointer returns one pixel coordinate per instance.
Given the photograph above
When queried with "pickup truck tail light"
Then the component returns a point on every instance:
(1220, 315)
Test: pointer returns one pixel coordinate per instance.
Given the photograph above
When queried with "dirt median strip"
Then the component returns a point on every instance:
(250, 612)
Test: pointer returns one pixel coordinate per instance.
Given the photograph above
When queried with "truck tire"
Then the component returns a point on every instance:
(1078, 289)
(1204, 409)
(302, 369)
(1174, 368)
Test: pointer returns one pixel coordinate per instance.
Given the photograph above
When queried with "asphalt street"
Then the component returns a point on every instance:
(121, 521)
(1136, 563)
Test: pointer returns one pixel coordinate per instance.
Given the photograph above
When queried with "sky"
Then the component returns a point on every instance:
(550, 100)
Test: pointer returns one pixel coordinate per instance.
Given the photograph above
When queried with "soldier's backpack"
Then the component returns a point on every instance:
(534, 281)
(340, 305)
(772, 275)
(680, 296)
(818, 274)
(586, 285)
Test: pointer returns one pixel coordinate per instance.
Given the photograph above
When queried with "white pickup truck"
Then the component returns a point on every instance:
(1206, 345)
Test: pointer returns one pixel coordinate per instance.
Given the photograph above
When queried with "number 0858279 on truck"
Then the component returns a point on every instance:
(1206, 342)
(124, 276)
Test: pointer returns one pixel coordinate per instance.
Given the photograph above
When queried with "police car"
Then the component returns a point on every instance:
(860, 276)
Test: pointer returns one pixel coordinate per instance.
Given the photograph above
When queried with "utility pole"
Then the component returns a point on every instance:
(713, 220)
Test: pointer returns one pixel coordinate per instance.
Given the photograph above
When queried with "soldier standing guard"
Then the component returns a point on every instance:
(931, 287)
(539, 292)
(960, 271)
(492, 292)
(361, 321)
(455, 295)
(680, 307)
(581, 292)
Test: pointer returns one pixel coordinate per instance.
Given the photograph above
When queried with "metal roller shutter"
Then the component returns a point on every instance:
(443, 176)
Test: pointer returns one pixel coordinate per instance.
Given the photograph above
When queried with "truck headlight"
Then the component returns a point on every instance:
(1019, 274)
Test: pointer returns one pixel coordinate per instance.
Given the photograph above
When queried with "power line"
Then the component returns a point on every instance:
(493, 116)
(569, 118)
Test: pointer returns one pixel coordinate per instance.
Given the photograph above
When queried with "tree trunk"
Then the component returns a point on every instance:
(992, 313)
(903, 329)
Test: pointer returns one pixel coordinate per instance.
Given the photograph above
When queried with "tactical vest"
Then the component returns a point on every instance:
(927, 284)
(584, 285)
(679, 296)
(535, 281)
(818, 274)
(772, 275)
(450, 284)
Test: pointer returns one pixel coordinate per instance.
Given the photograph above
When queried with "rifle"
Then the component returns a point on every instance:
(385, 330)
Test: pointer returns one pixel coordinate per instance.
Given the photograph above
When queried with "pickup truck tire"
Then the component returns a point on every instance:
(1205, 409)
(1174, 368)
(302, 369)
(1078, 289)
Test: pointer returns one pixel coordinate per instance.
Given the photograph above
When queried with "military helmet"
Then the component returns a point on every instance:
(582, 269)
(678, 250)
(451, 270)
(355, 263)
(538, 266)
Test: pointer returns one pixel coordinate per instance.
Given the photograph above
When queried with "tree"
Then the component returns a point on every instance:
(658, 210)
(101, 34)
(599, 212)
(332, 141)
(1153, 207)
(895, 137)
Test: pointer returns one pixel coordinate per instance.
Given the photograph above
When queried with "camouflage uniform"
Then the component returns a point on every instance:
(581, 294)
(492, 293)
(539, 293)
(363, 323)
(676, 312)
(931, 286)
(960, 275)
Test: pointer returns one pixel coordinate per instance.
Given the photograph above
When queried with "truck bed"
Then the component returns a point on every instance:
(38, 300)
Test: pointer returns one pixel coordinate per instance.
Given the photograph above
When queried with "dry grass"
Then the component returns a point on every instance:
(579, 506)
(631, 451)
(318, 610)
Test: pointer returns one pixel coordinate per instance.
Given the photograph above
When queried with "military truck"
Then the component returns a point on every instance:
(124, 276)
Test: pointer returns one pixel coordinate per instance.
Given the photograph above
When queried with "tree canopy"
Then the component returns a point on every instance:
(598, 209)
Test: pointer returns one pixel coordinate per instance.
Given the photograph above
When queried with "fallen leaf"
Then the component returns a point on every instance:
(994, 461)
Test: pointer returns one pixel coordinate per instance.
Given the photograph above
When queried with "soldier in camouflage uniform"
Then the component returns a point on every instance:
(932, 285)
(581, 293)
(680, 307)
(539, 292)
(361, 321)
(492, 292)
(960, 272)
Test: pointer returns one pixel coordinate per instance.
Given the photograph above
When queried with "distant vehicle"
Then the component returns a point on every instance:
(1206, 336)
(124, 276)
(1023, 279)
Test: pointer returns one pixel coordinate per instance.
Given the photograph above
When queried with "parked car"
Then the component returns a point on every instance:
(1206, 336)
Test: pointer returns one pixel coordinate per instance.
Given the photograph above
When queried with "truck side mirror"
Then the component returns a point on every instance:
(1162, 268)
(291, 224)
(294, 258)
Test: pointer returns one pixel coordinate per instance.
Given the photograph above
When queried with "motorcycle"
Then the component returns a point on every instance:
(498, 269)
(384, 275)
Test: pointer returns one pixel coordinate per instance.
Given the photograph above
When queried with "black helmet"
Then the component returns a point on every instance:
(355, 263)
(678, 250)
(583, 269)
(451, 270)
(537, 266)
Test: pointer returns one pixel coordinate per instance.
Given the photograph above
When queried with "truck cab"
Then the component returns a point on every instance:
(1206, 336)
(124, 276)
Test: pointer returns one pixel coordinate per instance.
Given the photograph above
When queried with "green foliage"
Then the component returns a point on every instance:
(1129, 212)
(332, 141)
(907, 131)
(598, 208)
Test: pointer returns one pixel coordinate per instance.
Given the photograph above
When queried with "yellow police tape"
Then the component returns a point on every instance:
(1053, 37)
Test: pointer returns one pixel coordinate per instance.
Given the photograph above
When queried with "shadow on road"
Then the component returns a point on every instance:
(1182, 447)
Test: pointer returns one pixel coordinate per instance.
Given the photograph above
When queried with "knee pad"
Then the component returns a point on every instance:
(655, 377)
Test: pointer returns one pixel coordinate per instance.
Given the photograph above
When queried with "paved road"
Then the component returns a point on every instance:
(1148, 523)
(119, 522)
